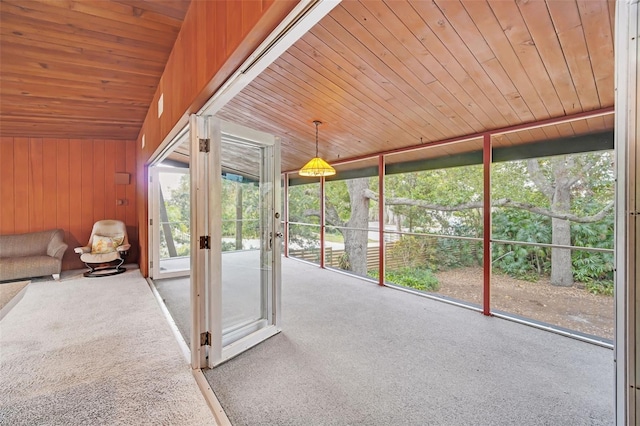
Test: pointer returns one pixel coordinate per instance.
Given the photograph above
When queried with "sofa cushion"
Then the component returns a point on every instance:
(33, 243)
(12, 268)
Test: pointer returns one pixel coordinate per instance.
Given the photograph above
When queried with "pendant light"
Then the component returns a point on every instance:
(317, 166)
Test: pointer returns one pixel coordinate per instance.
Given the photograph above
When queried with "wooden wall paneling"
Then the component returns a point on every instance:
(225, 43)
(142, 210)
(190, 65)
(35, 184)
(77, 237)
(233, 26)
(7, 186)
(87, 200)
(170, 88)
(566, 20)
(110, 174)
(21, 180)
(99, 179)
(203, 28)
(130, 191)
(251, 12)
(217, 38)
(121, 190)
(596, 30)
(63, 210)
(49, 184)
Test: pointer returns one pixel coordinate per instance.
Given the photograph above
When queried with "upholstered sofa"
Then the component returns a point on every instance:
(34, 254)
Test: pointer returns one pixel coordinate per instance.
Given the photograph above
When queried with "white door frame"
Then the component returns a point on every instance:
(154, 223)
(219, 352)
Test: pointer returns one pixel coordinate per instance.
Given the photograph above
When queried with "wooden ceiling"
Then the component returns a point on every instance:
(82, 68)
(381, 75)
(387, 75)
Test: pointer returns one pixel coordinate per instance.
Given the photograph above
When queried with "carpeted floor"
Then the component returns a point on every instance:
(94, 351)
(353, 353)
(10, 294)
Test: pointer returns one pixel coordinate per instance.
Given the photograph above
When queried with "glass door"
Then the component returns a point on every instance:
(170, 222)
(244, 271)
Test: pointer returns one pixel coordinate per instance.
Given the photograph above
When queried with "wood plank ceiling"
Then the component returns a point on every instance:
(381, 75)
(387, 75)
(82, 68)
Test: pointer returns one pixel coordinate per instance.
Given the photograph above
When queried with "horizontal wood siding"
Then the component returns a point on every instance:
(67, 184)
(332, 257)
(215, 38)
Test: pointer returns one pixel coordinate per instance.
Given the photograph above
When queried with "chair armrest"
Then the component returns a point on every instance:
(81, 250)
(124, 247)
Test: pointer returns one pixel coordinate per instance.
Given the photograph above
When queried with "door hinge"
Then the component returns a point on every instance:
(205, 242)
(150, 222)
(204, 144)
(205, 339)
(151, 264)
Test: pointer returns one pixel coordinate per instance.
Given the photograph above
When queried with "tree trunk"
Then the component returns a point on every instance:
(355, 241)
(561, 268)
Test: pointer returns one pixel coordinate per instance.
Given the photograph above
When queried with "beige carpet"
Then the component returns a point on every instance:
(94, 351)
(10, 295)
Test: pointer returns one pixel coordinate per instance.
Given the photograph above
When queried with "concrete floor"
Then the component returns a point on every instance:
(353, 353)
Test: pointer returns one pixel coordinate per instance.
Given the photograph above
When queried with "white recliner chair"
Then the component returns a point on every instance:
(106, 250)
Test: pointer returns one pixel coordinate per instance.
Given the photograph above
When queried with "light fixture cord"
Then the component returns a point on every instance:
(316, 139)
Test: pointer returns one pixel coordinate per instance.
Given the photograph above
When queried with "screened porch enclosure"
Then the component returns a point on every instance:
(541, 253)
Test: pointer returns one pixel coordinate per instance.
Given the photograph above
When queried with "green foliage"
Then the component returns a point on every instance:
(415, 252)
(454, 253)
(416, 278)
(228, 246)
(604, 288)
(591, 183)
(589, 267)
(344, 263)
(521, 261)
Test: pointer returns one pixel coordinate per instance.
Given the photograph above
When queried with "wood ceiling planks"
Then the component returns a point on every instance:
(381, 75)
(82, 68)
(393, 74)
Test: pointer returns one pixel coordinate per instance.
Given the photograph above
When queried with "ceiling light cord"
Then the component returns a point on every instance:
(317, 167)
(317, 123)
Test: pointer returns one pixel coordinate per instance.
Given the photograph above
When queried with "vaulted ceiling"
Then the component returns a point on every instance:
(381, 75)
